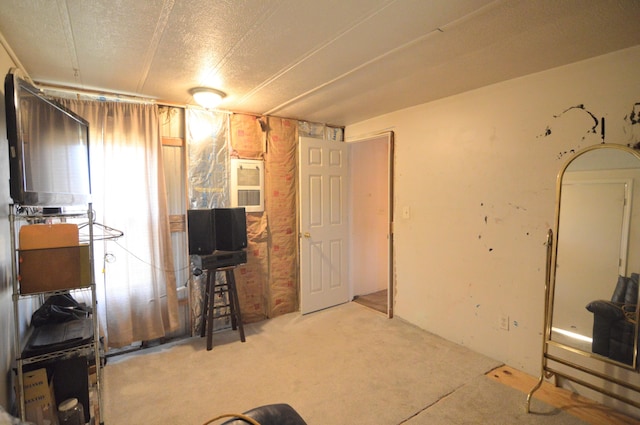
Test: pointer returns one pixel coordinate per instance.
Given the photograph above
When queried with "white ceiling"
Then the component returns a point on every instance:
(330, 61)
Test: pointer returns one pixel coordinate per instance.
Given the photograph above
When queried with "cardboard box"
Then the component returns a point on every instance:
(40, 405)
(37, 236)
(54, 269)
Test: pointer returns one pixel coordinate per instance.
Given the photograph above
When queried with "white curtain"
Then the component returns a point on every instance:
(137, 297)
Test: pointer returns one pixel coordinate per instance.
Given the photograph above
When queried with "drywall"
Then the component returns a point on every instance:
(478, 172)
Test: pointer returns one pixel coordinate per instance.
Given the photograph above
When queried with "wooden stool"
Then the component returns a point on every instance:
(229, 287)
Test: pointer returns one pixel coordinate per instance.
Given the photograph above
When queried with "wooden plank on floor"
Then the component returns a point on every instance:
(572, 403)
(376, 300)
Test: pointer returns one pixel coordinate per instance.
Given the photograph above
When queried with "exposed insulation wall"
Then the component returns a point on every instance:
(252, 279)
(280, 205)
(267, 284)
(247, 136)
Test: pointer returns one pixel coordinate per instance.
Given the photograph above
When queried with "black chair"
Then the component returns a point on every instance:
(614, 322)
(271, 414)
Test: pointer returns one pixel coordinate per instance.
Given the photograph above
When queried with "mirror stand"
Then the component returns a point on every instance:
(548, 371)
(591, 310)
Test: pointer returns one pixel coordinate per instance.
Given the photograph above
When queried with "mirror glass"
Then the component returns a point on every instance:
(597, 257)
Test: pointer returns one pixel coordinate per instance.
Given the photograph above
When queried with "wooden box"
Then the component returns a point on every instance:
(53, 269)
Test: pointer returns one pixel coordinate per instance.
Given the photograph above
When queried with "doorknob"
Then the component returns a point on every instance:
(307, 234)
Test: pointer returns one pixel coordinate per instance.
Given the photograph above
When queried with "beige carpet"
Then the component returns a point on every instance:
(347, 364)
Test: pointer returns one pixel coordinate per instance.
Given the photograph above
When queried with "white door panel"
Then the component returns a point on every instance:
(324, 226)
(593, 230)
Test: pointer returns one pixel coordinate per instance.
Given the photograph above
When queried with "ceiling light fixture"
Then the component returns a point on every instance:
(206, 97)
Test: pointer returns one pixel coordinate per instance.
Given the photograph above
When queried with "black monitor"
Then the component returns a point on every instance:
(48, 148)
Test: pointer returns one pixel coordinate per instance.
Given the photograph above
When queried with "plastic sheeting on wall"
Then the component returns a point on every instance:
(311, 129)
(335, 134)
(208, 159)
(207, 176)
(320, 131)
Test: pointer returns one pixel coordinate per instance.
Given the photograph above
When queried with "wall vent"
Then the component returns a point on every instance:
(247, 184)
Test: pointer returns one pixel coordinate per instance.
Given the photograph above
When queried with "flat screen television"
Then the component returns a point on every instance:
(48, 148)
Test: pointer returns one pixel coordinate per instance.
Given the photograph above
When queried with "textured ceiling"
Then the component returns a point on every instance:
(331, 61)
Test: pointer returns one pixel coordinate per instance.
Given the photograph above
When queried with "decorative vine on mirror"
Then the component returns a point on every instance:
(597, 258)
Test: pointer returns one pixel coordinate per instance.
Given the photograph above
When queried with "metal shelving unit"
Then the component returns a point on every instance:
(19, 216)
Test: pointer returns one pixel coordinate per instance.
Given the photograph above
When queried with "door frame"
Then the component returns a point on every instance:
(390, 138)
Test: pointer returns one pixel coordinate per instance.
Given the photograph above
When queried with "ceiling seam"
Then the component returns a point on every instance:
(354, 70)
(255, 25)
(161, 25)
(439, 29)
(63, 13)
(476, 12)
(310, 53)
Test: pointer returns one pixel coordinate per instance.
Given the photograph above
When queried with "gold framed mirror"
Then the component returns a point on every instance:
(593, 301)
(591, 283)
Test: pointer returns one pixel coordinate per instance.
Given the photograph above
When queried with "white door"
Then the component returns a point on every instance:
(593, 235)
(324, 228)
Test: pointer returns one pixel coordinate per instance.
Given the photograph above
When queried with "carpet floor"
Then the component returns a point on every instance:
(347, 364)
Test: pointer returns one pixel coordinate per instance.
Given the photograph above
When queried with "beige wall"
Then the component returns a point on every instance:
(6, 307)
(478, 171)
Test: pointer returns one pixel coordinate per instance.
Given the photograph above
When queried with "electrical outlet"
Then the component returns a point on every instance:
(504, 322)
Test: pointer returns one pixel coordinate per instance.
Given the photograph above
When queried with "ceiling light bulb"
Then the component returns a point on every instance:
(206, 97)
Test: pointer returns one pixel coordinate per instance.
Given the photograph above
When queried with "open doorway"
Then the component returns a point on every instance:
(371, 215)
